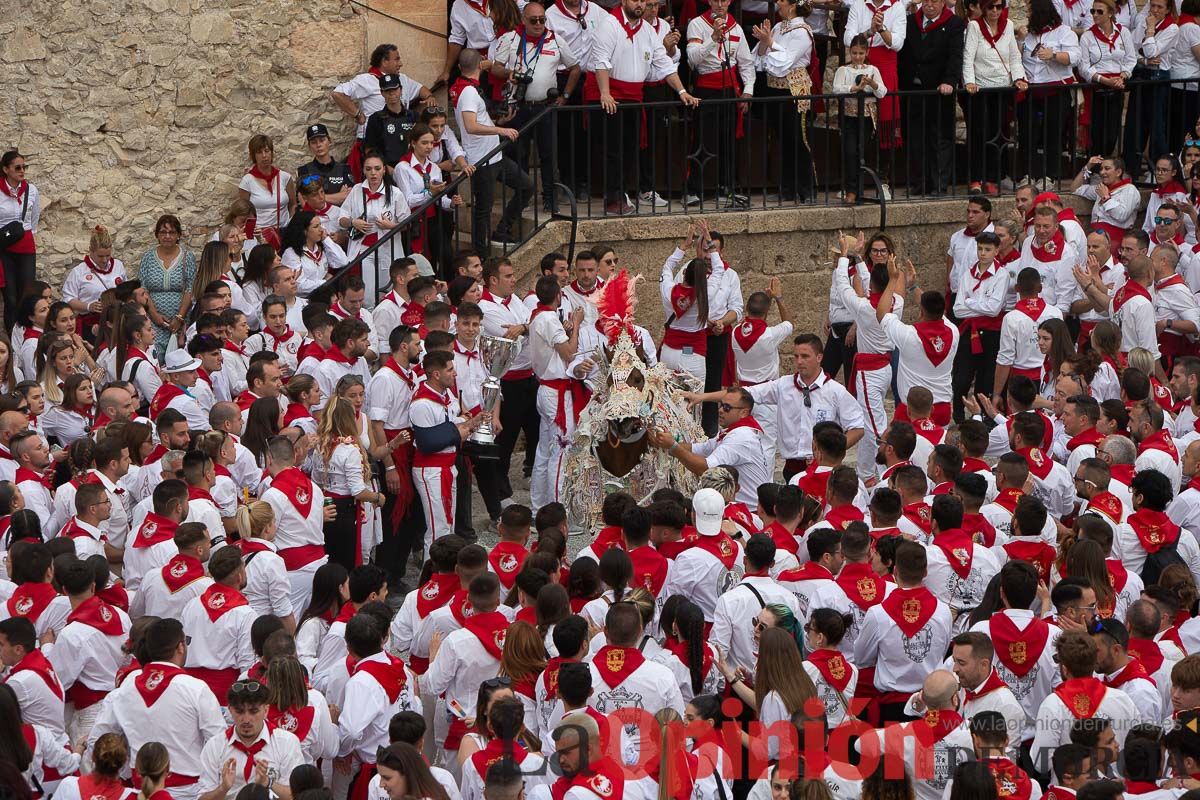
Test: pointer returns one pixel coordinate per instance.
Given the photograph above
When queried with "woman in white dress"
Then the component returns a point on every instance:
(348, 536)
(269, 189)
(352, 389)
(87, 280)
(374, 207)
(311, 251)
(419, 176)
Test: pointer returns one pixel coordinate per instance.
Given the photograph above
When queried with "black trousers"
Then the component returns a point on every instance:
(985, 142)
(570, 135)
(541, 137)
(1105, 127)
(713, 142)
(930, 138)
(714, 369)
(1145, 122)
(1044, 128)
(856, 132)
(838, 355)
(341, 532)
(401, 540)
(656, 125)
(618, 134)
(795, 159)
(19, 275)
(487, 478)
(518, 412)
(974, 369)
(483, 193)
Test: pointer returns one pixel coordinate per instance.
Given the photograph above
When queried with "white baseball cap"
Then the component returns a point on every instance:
(709, 506)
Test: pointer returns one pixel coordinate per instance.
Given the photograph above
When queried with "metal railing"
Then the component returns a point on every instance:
(731, 154)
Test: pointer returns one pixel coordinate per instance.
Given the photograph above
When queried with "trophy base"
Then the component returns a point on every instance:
(482, 451)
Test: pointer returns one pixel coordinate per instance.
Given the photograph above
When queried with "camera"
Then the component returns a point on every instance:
(514, 91)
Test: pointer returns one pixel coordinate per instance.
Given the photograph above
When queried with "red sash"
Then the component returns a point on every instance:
(579, 398)
(1018, 650)
(615, 664)
(910, 609)
(1081, 696)
(677, 340)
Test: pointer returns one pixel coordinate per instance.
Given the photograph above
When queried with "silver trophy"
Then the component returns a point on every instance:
(497, 354)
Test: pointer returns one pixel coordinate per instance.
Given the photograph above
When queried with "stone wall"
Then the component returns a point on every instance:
(127, 110)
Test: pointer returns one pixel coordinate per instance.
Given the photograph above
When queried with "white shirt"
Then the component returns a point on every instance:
(962, 594)
(651, 687)
(86, 284)
(88, 656)
(963, 252)
(189, 704)
(223, 644)
(460, 666)
(631, 59)
(760, 363)
(792, 48)
(282, 755)
(476, 145)
(991, 67)
(707, 57)
(901, 663)
(1054, 719)
(498, 315)
(981, 295)
(572, 30)
(915, 367)
(40, 704)
(1136, 321)
(1120, 209)
(743, 448)
(836, 702)
(930, 768)
(735, 610)
(270, 204)
(871, 336)
(366, 710)
(546, 332)
(829, 402)
(1099, 58)
(363, 89)
(689, 320)
(470, 26)
(415, 179)
(1061, 40)
(1113, 275)
(319, 263)
(11, 207)
(703, 577)
(894, 19)
(1019, 338)
(1041, 679)
(544, 63)
(267, 584)
(391, 206)
(1158, 44)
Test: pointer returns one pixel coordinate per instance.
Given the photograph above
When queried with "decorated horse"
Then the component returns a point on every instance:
(610, 451)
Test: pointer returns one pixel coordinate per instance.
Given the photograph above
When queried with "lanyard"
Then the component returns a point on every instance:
(531, 66)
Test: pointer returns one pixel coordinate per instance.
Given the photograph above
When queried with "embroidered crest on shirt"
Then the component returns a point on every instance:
(866, 589)
(301, 496)
(939, 344)
(154, 679)
(1018, 652)
(24, 606)
(179, 570)
(615, 660)
(911, 610)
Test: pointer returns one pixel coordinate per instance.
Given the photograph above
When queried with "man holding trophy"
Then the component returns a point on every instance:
(561, 396)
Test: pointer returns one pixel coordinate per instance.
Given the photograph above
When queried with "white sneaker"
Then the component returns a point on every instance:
(691, 200)
(653, 199)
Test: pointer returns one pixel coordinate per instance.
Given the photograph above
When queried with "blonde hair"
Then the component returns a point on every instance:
(1139, 357)
(153, 762)
(1110, 5)
(239, 208)
(210, 443)
(338, 425)
(254, 518)
(101, 239)
(48, 375)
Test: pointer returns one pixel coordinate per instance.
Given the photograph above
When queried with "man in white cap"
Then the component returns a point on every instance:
(179, 376)
(713, 564)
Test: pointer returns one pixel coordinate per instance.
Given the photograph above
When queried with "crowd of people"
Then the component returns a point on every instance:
(215, 472)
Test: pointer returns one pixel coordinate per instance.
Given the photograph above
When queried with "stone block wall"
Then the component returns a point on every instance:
(128, 110)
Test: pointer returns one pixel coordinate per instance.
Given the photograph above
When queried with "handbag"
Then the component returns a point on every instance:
(14, 231)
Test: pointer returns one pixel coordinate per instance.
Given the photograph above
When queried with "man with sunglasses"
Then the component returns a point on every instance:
(1092, 478)
(250, 751)
(1122, 671)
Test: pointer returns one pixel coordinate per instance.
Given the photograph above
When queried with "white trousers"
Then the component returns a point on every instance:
(692, 363)
(870, 388)
(545, 484)
(768, 419)
(437, 499)
(301, 581)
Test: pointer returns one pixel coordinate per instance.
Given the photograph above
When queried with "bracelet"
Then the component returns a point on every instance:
(736, 680)
(391, 468)
(682, 92)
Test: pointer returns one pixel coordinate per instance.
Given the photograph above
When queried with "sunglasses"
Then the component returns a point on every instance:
(250, 687)
(726, 407)
(536, 20)
(758, 625)
(501, 682)
(437, 111)
(309, 180)
(1165, 220)
(1098, 12)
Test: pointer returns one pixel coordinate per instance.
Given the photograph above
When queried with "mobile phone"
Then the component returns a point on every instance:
(858, 79)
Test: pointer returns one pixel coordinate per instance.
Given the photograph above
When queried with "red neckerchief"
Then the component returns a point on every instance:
(814, 481)
(496, 750)
(615, 664)
(919, 514)
(248, 546)
(96, 268)
(246, 399)
(296, 721)
(682, 298)
(720, 547)
(1174, 279)
(456, 90)
(1154, 529)
(991, 40)
(38, 664)
(910, 609)
(163, 397)
(234, 348)
(31, 333)
(1127, 292)
(833, 667)
(425, 393)
(979, 529)
(1012, 783)
(405, 375)
(1109, 505)
(506, 559)
(739, 514)
(94, 786)
(808, 571)
(436, 592)
(24, 474)
(219, 600)
(607, 538)
(320, 212)
(95, 613)
(288, 333)
(203, 375)
(269, 178)
(1034, 551)
(467, 354)
(1081, 696)
(345, 613)
(603, 778)
(311, 349)
(748, 333)
(1147, 652)
(251, 751)
(649, 568)
(1159, 440)
(30, 600)
(1052, 250)
(673, 549)
(744, 422)
(1132, 671)
(1170, 187)
(540, 308)
(297, 488)
(390, 676)
(575, 287)
(935, 725)
(958, 548)
(21, 189)
(490, 629)
(1111, 41)
(990, 272)
(181, 571)
(491, 298)
(295, 411)
(930, 430)
(154, 680)
(1139, 787)
(783, 538)
(1018, 650)
(1122, 473)
(861, 584)
(482, 8)
(841, 516)
(928, 25)
(460, 607)
(936, 339)
(196, 493)
(630, 30)
(74, 530)
(1032, 307)
(550, 674)
(1039, 463)
(989, 685)
(1090, 436)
